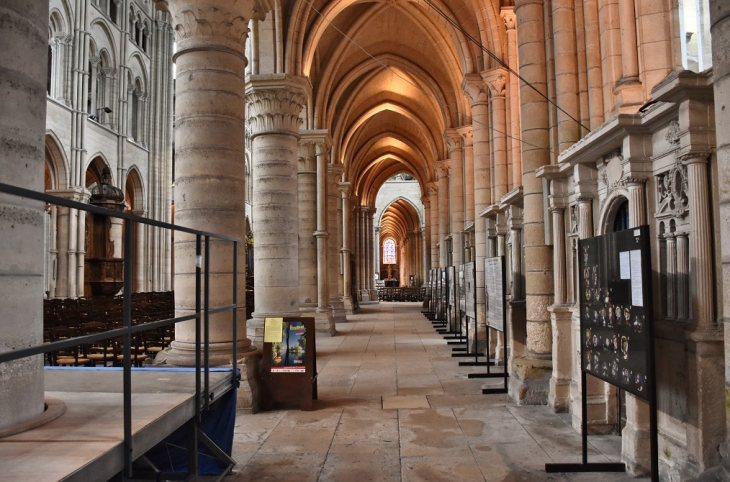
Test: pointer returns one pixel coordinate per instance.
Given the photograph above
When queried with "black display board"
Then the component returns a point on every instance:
(444, 294)
(615, 309)
(289, 367)
(616, 325)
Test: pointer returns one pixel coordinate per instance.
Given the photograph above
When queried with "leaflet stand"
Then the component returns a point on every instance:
(287, 374)
(495, 289)
(616, 333)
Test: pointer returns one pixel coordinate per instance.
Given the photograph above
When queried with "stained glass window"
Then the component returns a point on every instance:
(389, 251)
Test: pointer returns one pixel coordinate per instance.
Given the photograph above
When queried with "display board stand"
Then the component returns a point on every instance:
(287, 374)
(616, 331)
(495, 288)
(470, 290)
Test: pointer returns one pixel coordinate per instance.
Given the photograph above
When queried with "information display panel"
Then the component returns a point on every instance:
(470, 290)
(444, 293)
(616, 309)
(451, 270)
(494, 286)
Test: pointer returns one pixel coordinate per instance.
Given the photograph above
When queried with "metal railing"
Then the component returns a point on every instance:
(201, 316)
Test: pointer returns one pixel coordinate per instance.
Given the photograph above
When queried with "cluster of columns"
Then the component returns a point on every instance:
(365, 245)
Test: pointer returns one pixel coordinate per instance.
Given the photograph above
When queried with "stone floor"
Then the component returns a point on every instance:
(389, 355)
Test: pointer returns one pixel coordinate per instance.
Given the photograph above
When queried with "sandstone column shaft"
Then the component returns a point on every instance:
(700, 243)
(323, 285)
(24, 40)
(671, 276)
(629, 53)
(497, 81)
(535, 123)
(344, 188)
(308, 242)
(434, 215)
(682, 277)
(456, 194)
(274, 104)
(478, 95)
(209, 153)
(566, 73)
(468, 139)
(443, 212)
(510, 21)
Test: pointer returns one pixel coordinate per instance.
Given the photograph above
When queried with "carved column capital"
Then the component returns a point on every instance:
(509, 18)
(496, 80)
(274, 104)
(344, 188)
(475, 89)
(212, 24)
(453, 139)
(467, 134)
(431, 188)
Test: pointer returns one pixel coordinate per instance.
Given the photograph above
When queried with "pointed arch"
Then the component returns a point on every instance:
(56, 162)
(134, 190)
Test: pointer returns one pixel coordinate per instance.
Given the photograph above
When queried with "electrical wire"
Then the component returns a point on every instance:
(409, 81)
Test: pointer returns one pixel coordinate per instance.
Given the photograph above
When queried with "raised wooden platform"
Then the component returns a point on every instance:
(85, 443)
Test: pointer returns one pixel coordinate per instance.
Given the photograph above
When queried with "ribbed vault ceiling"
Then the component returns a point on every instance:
(387, 80)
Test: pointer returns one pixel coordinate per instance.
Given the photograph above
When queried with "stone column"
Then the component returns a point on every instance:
(496, 79)
(529, 383)
(467, 135)
(139, 254)
(337, 306)
(566, 73)
(635, 441)
(516, 307)
(706, 423)
(434, 215)
(681, 292)
(427, 229)
(310, 287)
(24, 40)
(210, 177)
(372, 244)
(456, 193)
(362, 253)
(671, 276)
(560, 318)
(443, 211)
(274, 103)
(637, 201)
(344, 188)
(594, 71)
(720, 32)
(510, 21)
(595, 389)
(478, 94)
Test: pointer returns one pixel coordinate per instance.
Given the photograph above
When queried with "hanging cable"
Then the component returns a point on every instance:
(500, 61)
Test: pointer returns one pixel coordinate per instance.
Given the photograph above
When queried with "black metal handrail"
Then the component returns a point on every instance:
(201, 315)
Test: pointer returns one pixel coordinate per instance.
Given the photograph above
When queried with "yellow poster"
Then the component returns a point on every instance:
(273, 330)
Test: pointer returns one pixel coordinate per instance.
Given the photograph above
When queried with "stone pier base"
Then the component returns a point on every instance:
(529, 382)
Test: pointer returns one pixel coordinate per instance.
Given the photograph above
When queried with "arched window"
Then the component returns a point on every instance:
(145, 38)
(621, 221)
(134, 114)
(49, 74)
(113, 10)
(695, 42)
(389, 251)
